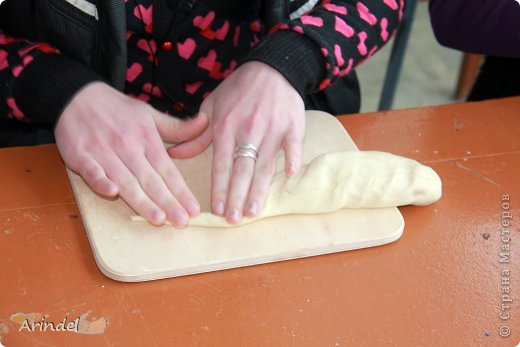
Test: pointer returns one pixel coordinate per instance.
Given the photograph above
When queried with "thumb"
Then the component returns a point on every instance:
(175, 130)
(193, 147)
(198, 144)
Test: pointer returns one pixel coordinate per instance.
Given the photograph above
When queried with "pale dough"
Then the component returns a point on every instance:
(349, 179)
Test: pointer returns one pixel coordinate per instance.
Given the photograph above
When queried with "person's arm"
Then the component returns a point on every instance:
(37, 80)
(113, 141)
(488, 27)
(261, 103)
(328, 42)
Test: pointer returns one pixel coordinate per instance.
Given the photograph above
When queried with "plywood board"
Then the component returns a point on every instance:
(132, 251)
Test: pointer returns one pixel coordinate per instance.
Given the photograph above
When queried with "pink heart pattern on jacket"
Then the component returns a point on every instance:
(147, 16)
(206, 47)
(186, 49)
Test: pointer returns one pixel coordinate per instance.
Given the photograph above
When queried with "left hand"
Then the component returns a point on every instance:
(255, 105)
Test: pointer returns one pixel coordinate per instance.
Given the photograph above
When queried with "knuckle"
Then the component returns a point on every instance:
(159, 158)
(180, 188)
(134, 198)
(177, 180)
(93, 147)
(126, 184)
(168, 171)
(90, 173)
(185, 194)
(166, 202)
(73, 161)
(151, 184)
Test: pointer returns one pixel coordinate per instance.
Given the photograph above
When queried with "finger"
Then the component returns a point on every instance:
(130, 189)
(173, 179)
(263, 175)
(223, 147)
(193, 147)
(172, 129)
(94, 176)
(154, 187)
(241, 178)
(293, 148)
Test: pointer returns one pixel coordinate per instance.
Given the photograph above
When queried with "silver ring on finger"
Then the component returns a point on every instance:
(247, 146)
(246, 151)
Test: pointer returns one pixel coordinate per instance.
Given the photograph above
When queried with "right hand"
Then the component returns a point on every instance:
(115, 143)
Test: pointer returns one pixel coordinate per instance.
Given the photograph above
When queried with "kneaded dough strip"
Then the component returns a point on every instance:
(350, 179)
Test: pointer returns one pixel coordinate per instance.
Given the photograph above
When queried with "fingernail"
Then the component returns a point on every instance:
(234, 216)
(158, 216)
(180, 218)
(292, 168)
(253, 208)
(193, 208)
(219, 208)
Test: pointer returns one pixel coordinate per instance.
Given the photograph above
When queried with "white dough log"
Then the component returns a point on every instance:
(351, 179)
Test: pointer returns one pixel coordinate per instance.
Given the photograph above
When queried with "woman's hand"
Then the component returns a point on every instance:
(115, 143)
(256, 105)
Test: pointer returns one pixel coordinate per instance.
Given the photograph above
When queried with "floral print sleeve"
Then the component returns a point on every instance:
(320, 46)
(15, 55)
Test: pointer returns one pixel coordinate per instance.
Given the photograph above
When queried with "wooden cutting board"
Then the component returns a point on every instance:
(132, 251)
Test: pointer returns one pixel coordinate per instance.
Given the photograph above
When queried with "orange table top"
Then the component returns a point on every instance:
(444, 283)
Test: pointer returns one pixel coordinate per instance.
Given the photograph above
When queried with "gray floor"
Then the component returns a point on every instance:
(429, 74)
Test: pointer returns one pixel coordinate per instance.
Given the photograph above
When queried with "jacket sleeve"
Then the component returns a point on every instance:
(478, 26)
(313, 51)
(37, 81)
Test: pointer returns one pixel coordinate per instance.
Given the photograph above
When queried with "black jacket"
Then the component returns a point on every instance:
(92, 34)
(96, 40)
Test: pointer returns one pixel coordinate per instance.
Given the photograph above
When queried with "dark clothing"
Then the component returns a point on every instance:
(65, 47)
(498, 78)
(490, 27)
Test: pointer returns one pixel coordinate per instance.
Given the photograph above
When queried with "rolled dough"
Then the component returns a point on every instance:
(349, 179)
